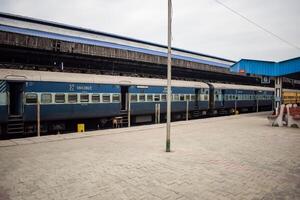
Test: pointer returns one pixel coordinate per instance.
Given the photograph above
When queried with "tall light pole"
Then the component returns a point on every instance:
(168, 142)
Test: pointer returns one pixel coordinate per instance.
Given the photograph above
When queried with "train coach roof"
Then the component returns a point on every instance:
(29, 75)
(240, 87)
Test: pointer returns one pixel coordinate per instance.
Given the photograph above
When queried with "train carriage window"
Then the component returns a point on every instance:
(72, 98)
(176, 97)
(60, 98)
(217, 97)
(181, 97)
(164, 97)
(187, 97)
(142, 97)
(206, 92)
(149, 97)
(200, 97)
(84, 98)
(193, 98)
(133, 98)
(116, 98)
(46, 98)
(31, 98)
(95, 98)
(157, 97)
(106, 98)
(206, 97)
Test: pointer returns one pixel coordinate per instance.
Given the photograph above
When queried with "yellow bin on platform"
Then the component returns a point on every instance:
(80, 128)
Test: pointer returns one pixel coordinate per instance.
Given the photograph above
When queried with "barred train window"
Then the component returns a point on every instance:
(133, 98)
(96, 98)
(226, 98)
(181, 97)
(149, 97)
(59, 98)
(116, 98)
(157, 97)
(46, 98)
(142, 97)
(205, 97)
(106, 98)
(187, 97)
(176, 97)
(164, 97)
(193, 97)
(84, 97)
(31, 98)
(72, 98)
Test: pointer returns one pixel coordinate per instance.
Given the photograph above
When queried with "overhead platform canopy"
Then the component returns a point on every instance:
(45, 29)
(288, 68)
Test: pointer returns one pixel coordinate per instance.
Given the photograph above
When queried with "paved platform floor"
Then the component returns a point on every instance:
(234, 157)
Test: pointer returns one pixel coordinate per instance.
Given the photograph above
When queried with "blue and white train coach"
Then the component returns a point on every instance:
(69, 98)
(229, 98)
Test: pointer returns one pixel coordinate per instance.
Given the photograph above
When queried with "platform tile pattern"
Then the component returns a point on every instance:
(217, 158)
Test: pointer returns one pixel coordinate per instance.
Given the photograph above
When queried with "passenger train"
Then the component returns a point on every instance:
(66, 99)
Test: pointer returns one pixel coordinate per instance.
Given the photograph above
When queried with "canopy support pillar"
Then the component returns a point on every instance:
(278, 92)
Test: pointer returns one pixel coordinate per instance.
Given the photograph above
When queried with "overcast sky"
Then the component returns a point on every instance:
(203, 26)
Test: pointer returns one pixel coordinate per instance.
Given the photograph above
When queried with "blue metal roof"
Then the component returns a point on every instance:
(83, 40)
(267, 68)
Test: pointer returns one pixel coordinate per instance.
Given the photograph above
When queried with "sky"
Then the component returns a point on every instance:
(202, 26)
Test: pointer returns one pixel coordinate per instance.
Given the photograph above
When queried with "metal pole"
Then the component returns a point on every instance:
(278, 93)
(38, 118)
(129, 108)
(187, 110)
(235, 102)
(155, 113)
(257, 104)
(168, 142)
(158, 112)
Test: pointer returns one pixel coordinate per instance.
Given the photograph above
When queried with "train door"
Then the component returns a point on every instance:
(223, 98)
(15, 98)
(124, 96)
(197, 97)
(211, 96)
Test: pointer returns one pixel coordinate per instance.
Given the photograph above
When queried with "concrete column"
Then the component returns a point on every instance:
(278, 92)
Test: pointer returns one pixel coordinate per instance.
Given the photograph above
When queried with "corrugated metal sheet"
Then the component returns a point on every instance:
(80, 40)
(85, 30)
(267, 68)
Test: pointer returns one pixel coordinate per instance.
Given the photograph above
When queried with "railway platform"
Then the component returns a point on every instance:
(231, 157)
